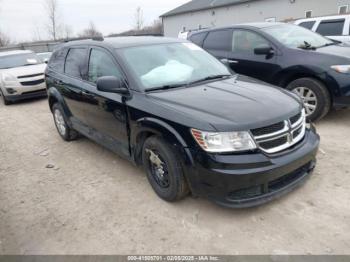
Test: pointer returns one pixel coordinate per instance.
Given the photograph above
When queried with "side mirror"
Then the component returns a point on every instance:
(264, 50)
(111, 84)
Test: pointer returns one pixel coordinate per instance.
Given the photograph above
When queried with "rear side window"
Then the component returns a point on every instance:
(219, 40)
(331, 27)
(74, 62)
(308, 25)
(198, 38)
(57, 60)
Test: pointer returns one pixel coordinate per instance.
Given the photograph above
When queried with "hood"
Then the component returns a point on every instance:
(25, 70)
(342, 50)
(236, 104)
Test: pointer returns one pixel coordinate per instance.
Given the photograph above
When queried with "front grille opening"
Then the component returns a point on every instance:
(274, 143)
(268, 129)
(34, 92)
(297, 132)
(26, 76)
(287, 179)
(246, 193)
(295, 118)
(32, 83)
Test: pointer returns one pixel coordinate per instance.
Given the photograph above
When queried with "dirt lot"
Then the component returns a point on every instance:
(93, 202)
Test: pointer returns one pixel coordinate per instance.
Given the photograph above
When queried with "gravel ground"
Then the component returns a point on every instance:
(92, 202)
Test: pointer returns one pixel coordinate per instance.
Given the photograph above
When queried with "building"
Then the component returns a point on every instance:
(198, 14)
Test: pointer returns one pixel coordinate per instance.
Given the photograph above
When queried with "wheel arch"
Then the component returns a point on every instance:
(54, 96)
(147, 127)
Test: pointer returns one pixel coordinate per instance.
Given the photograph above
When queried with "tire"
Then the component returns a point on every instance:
(172, 185)
(6, 102)
(63, 129)
(319, 103)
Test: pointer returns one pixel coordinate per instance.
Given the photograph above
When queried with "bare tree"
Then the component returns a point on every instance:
(139, 21)
(67, 31)
(53, 23)
(91, 31)
(4, 39)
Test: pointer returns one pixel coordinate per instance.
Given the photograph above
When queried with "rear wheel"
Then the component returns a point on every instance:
(315, 96)
(67, 133)
(4, 99)
(164, 170)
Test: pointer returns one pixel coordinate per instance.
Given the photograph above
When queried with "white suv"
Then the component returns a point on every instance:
(21, 75)
(335, 27)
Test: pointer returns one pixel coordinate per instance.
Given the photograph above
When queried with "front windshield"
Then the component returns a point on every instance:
(171, 64)
(12, 61)
(296, 37)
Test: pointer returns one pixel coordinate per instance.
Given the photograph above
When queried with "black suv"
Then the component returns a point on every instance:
(170, 106)
(286, 55)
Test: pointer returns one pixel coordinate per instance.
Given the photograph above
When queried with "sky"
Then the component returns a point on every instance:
(25, 20)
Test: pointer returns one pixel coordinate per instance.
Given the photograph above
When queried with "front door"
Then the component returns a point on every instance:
(106, 113)
(244, 61)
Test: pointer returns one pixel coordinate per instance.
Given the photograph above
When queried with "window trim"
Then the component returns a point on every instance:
(340, 7)
(65, 61)
(115, 62)
(308, 11)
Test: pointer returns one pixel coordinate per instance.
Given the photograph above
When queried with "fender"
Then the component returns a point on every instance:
(162, 129)
(53, 96)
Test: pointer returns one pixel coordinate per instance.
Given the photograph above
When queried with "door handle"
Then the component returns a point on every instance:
(233, 61)
(57, 82)
(87, 94)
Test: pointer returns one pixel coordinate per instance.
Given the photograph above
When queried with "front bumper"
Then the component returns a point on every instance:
(247, 180)
(19, 92)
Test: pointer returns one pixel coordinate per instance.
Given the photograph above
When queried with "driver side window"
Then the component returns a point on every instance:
(244, 41)
(101, 64)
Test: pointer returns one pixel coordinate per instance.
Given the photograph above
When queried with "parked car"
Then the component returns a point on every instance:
(288, 56)
(44, 57)
(170, 106)
(335, 27)
(21, 76)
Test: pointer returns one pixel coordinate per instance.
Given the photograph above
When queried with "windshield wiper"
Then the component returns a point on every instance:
(165, 87)
(307, 46)
(213, 77)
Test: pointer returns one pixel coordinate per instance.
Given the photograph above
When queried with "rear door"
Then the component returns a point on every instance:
(74, 71)
(244, 61)
(105, 113)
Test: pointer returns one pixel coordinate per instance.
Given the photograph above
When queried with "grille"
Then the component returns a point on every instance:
(295, 118)
(26, 76)
(246, 193)
(274, 143)
(32, 83)
(287, 179)
(268, 129)
(282, 135)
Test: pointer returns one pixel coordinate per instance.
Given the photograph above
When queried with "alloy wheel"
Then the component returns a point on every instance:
(309, 99)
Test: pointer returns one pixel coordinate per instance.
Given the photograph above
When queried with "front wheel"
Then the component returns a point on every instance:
(315, 96)
(164, 170)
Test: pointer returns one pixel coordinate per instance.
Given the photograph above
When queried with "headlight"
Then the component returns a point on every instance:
(343, 69)
(224, 142)
(6, 77)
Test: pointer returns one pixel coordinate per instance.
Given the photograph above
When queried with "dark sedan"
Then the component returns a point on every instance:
(286, 55)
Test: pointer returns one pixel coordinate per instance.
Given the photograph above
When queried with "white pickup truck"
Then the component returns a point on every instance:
(335, 27)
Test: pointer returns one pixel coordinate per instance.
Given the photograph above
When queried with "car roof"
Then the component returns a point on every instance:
(127, 41)
(245, 25)
(15, 52)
